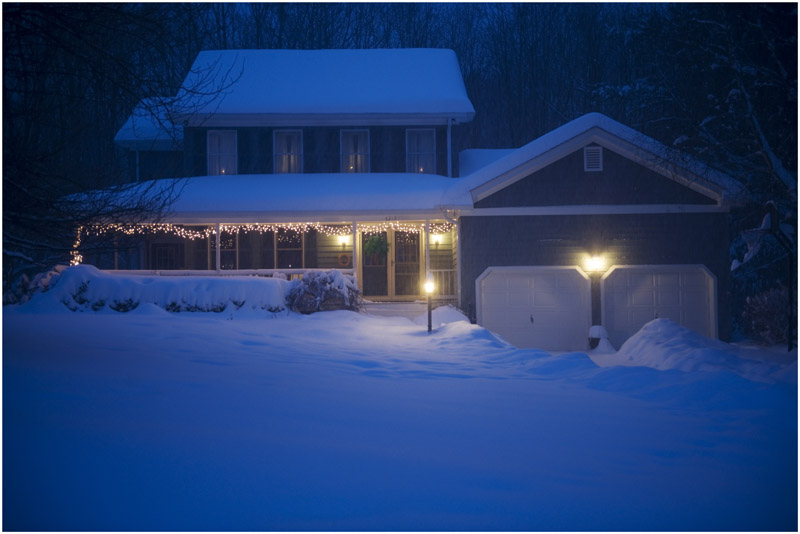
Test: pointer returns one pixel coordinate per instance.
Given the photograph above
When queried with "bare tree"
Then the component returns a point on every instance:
(72, 74)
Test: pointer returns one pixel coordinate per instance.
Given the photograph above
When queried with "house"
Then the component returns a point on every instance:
(308, 159)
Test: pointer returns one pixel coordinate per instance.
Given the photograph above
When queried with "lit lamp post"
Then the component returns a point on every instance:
(429, 291)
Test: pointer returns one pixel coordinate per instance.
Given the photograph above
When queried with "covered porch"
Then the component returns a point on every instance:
(390, 259)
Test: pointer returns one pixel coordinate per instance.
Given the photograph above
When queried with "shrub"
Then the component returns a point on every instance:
(766, 315)
(324, 291)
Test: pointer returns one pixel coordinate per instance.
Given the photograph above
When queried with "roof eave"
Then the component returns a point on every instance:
(322, 119)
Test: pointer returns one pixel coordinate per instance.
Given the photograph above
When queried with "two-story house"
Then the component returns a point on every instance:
(299, 160)
(315, 151)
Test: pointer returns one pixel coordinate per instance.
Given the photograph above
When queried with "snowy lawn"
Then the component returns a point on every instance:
(251, 420)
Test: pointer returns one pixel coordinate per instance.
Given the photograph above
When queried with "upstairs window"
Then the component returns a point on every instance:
(421, 151)
(355, 150)
(288, 151)
(221, 152)
(593, 158)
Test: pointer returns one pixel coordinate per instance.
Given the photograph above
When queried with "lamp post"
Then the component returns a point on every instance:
(429, 291)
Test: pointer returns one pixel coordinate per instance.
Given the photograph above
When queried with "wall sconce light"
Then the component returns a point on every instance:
(343, 240)
(595, 263)
(436, 239)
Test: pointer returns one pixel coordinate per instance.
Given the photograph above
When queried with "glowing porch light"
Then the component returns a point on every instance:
(429, 284)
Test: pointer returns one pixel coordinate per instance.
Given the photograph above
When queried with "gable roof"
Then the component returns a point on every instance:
(274, 86)
(149, 128)
(599, 129)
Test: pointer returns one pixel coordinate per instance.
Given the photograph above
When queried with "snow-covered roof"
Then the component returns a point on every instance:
(600, 129)
(270, 86)
(308, 197)
(149, 128)
(472, 159)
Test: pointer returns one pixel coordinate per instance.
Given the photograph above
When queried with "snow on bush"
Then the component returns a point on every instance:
(24, 288)
(85, 288)
(324, 291)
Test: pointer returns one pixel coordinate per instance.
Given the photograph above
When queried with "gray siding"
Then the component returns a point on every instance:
(669, 239)
(565, 183)
(155, 164)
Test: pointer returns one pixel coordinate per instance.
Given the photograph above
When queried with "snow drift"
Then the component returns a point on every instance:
(664, 345)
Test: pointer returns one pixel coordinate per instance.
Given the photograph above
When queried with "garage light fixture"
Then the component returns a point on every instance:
(595, 263)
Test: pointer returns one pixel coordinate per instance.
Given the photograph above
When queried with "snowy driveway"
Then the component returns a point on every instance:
(339, 421)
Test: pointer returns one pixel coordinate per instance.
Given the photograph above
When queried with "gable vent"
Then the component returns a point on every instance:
(592, 158)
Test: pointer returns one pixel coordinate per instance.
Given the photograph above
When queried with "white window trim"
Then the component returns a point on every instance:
(408, 153)
(588, 157)
(341, 148)
(275, 151)
(235, 149)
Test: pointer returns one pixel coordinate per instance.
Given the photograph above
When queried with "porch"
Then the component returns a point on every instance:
(389, 259)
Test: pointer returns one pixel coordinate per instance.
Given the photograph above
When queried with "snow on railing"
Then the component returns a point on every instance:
(290, 274)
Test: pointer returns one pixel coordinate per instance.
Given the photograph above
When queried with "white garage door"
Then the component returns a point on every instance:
(546, 308)
(635, 295)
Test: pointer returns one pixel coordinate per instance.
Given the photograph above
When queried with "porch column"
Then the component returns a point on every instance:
(427, 246)
(218, 255)
(355, 253)
(458, 261)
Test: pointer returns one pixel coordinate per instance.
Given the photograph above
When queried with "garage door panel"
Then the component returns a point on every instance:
(668, 280)
(518, 282)
(519, 299)
(668, 298)
(551, 298)
(544, 307)
(640, 297)
(634, 295)
(695, 279)
(495, 299)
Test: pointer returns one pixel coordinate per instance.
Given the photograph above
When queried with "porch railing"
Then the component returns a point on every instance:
(291, 274)
(445, 280)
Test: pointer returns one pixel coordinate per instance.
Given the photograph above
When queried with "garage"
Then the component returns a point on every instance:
(635, 295)
(547, 308)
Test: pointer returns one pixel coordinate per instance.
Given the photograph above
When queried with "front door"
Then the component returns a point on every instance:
(406, 264)
(394, 275)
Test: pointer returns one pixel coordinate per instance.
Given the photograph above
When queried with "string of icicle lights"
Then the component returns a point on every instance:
(204, 232)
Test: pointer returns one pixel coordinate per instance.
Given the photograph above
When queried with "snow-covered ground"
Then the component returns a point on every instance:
(247, 419)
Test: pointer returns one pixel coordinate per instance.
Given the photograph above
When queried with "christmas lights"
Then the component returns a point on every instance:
(193, 232)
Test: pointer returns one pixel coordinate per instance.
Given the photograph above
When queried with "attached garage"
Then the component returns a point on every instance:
(636, 294)
(547, 308)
